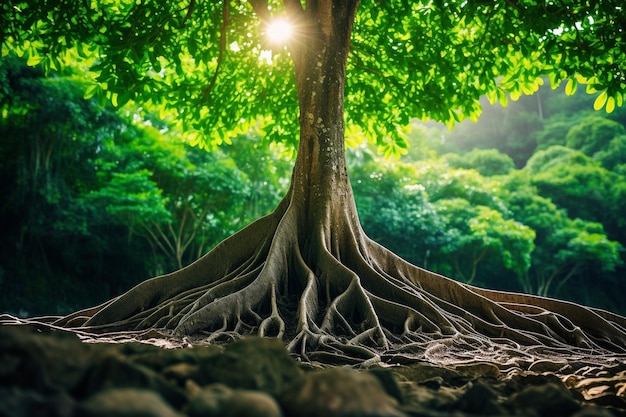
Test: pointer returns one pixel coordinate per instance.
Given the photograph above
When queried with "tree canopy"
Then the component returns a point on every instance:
(208, 66)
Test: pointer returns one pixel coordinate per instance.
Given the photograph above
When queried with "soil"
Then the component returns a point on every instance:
(47, 372)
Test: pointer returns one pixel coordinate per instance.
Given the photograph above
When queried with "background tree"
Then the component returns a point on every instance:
(487, 162)
(79, 223)
(55, 244)
(310, 255)
(182, 202)
(564, 247)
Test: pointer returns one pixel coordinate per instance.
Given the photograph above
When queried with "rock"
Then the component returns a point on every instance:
(593, 412)
(389, 382)
(250, 404)
(117, 371)
(419, 397)
(159, 359)
(480, 399)
(220, 401)
(338, 392)
(15, 402)
(207, 401)
(30, 358)
(430, 375)
(251, 363)
(46, 373)
(479, 369)
(126, 402)
(181, 372)
(434, 383)
(552, 365)
(549, 400)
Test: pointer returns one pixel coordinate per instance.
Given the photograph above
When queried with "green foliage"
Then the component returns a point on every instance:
(80, 183)
(479, 233)
(487, 162)
(195, 69)
(593, 134)
(574, 181)
(132, 199)
(587, 242)
(421, 59)
(613, 156)
(470, 215)
(556, 156)
(396, 211)
(448, 220)
(51, 236)
(267, 167)
(565, 248)
(602, 139)
(167, 57)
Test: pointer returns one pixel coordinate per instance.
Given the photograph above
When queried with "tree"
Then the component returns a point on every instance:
(55, 242)
(480, 233)
(487, 162)
(176, 199)
(576, 182)
(602, 139)
(395, 210)
(564, 248)
(307, 272)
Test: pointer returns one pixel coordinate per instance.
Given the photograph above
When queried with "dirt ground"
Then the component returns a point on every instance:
(54, 373)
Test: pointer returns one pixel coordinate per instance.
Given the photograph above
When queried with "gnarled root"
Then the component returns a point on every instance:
(336, 296)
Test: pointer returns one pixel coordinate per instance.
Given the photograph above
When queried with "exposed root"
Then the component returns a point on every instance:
(273, 325)
(341, 298)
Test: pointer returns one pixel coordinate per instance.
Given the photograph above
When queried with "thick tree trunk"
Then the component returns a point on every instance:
(321, 191)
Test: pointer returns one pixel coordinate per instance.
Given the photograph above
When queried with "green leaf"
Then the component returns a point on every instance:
(570, 87)
(601, 100)
(91, 91)
(610, 105)
(34, 60)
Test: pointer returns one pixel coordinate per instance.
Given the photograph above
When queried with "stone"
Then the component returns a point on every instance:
(206, 401)
(126, 402)
(159, 359)
(480, 399)
(220, 401)
(441, 399)
(117, 371)
(16, 402)
(39, 360)
(549, 400)
(250, 363)
(479, 369)
(250, 404)
(338, 392)
(593, 412)
(389, 382)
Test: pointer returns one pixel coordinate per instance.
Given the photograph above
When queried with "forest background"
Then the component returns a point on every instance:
(97, 199)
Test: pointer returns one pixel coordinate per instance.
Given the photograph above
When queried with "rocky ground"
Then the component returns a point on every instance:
(54, 374)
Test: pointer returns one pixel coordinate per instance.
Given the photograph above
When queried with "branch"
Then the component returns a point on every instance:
(220, 58)
(156, 240)
(192, 5)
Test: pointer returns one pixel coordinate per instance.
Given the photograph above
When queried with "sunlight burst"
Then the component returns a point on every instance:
(279, 31)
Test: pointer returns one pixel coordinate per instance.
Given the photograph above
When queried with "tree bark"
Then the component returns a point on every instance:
(320, 185)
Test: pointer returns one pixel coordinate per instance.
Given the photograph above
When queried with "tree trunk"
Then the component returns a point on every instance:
(320, 190)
